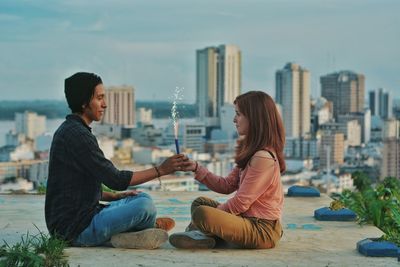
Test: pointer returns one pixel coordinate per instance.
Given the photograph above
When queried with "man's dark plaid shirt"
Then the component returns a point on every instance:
(77, 168)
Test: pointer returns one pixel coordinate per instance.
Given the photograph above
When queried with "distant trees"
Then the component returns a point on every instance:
(50, 108)
(53, 109)
(162, 109)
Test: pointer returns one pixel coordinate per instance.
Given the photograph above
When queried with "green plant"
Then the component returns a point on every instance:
(34, 250)
(361, 181)
(41, 189)
(379, 205)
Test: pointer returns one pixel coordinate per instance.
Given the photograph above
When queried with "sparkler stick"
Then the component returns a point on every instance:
(175, 113)
(177, 145)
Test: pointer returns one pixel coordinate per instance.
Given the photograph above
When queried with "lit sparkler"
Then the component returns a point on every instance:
(175, 115)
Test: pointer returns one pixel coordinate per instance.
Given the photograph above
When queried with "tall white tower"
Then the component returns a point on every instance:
(293, 94)
(229, 69)
(218, 73)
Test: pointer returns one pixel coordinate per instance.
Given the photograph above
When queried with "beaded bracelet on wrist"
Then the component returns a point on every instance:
(195, 168)
(158, 174)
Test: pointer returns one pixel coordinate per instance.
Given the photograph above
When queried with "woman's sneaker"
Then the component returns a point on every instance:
(191, 227)
(147, 239)
(192, 240)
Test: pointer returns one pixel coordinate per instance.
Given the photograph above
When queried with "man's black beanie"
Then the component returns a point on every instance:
(79, 89)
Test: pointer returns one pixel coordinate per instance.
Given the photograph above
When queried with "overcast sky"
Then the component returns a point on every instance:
(151, 45)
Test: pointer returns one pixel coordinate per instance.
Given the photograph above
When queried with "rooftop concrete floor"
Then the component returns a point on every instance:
(306, 242)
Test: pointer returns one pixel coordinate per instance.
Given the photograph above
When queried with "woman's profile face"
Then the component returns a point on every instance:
(241, 122)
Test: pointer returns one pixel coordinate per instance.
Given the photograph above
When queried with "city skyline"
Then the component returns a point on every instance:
(151, 45)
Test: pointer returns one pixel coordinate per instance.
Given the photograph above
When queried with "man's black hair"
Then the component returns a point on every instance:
(79, 89)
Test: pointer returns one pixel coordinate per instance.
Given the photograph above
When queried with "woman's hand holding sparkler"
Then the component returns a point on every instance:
(190, 165)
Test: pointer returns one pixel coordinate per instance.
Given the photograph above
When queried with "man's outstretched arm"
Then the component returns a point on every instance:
(170, 165)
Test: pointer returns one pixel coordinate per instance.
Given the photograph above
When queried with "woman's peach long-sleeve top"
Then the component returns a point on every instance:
(259, 191)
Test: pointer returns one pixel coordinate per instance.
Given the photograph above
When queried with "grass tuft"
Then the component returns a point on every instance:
(34, 250)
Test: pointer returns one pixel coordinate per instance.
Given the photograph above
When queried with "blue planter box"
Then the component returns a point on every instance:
(373, 248)
(303, 191)
(326, 214)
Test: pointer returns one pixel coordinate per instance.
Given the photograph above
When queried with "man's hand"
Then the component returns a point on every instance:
(121, 195)
(177, 162)
(108, 196)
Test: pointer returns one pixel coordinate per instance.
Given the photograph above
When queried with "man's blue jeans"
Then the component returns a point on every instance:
(130, 214)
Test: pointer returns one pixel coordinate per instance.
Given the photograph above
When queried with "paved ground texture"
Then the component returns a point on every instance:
(306, 242)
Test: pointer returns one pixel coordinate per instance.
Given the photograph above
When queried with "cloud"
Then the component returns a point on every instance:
(152, 44)
(98, 26)
(230, 14)
(9, 17)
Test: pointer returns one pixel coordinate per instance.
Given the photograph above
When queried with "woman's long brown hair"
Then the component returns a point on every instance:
(265, 128)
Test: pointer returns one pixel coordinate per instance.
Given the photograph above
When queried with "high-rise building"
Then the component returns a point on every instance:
(206, 82)
(332, 145)
(391, 149)
(380, 103)
(120, 106)
(350, 129)
(346, 90)
(391, 158)
(301, 148)
(147, 135)
(190, 136)
(218, 80)
(363, 119)
(227, 125)
(391, 128)
(321, 112)
(353, 133)
(30, 124)
(293, 94)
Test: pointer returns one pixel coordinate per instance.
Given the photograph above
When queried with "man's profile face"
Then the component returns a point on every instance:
(97, 105)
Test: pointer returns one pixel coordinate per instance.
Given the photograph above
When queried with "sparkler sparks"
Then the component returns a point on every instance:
(175, 115)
